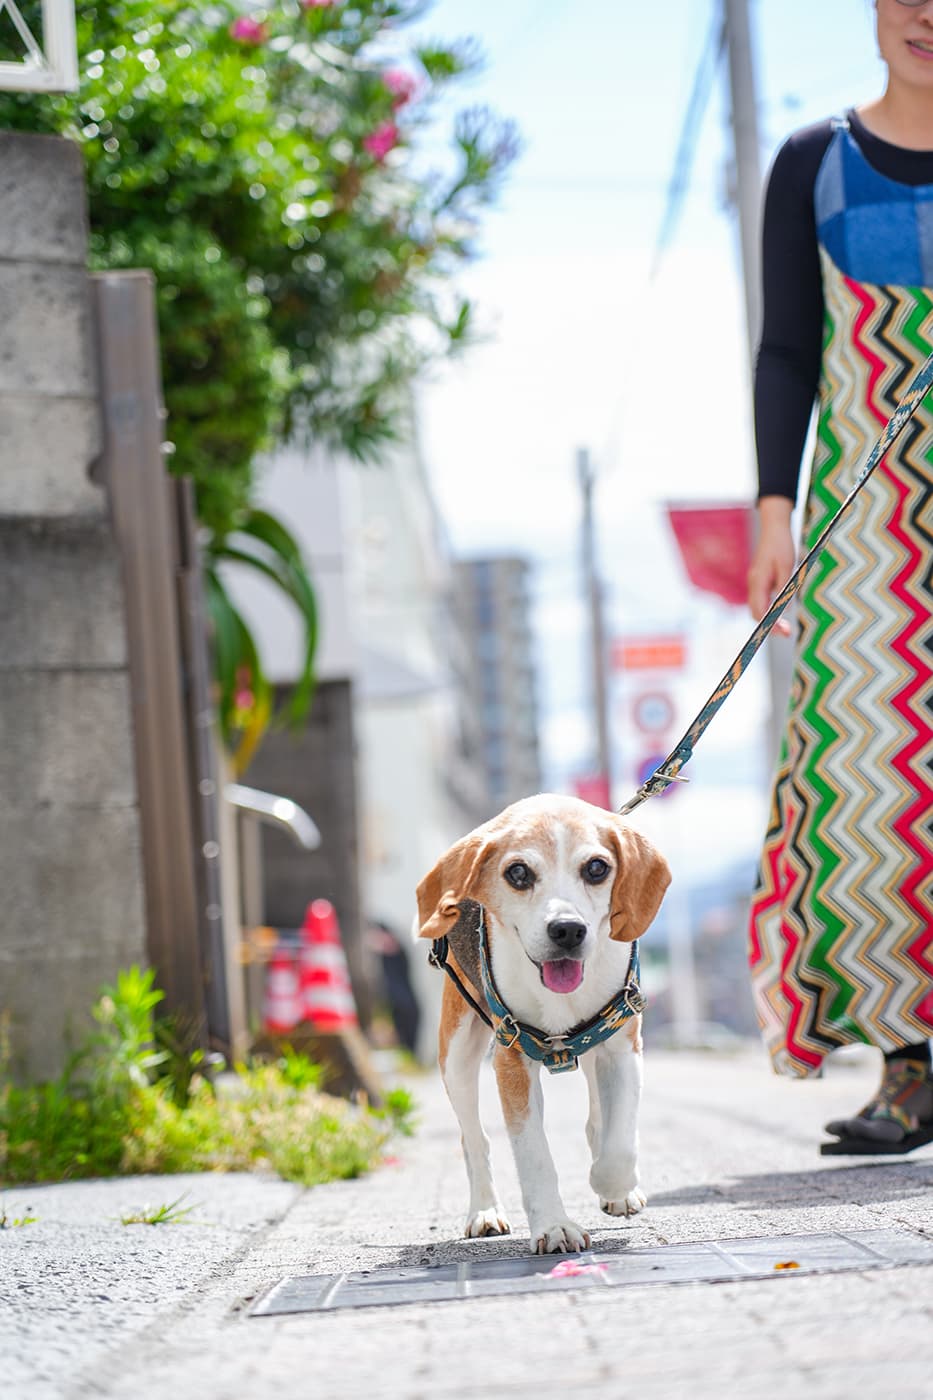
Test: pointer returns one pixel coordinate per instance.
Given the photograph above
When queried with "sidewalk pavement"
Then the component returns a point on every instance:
(92, 1308)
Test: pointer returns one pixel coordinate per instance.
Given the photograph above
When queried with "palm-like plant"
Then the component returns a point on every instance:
(261, 542)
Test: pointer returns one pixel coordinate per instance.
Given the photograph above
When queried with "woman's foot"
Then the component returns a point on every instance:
(901, 1110)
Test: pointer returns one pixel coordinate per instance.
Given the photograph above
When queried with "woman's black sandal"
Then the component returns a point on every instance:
(896, 1121)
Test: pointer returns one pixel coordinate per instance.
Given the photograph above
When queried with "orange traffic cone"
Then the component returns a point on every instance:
(281, 1008)
(326, 995)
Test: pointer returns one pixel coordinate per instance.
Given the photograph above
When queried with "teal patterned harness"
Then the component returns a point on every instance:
(558, 1053)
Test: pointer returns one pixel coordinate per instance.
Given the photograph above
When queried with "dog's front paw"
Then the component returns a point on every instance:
(564, 1237)
(630, 1204)
(487, 1222)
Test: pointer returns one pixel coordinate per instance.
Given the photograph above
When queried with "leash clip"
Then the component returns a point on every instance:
(652, 787)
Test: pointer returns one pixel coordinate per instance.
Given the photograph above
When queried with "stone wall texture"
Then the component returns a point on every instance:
(71, 914)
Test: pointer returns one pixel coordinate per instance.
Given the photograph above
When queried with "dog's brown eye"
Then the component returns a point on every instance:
(519, 876)
(595, 870)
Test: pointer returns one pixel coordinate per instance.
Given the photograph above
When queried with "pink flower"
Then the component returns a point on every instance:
(402, 85)
(381, 141)
(316, 4)
(248, 31)
(244, 699)
(569, 1268)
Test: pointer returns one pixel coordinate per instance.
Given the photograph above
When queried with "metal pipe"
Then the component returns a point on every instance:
(277, 811)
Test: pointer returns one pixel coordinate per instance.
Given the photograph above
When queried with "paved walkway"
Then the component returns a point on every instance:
(89, 1307)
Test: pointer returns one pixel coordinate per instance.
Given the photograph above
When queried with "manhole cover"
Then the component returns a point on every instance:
(707, 1261)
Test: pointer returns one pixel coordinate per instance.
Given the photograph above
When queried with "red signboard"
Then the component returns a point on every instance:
(649, 654)
(594, 788)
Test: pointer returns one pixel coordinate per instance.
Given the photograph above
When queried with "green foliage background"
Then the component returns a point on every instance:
(260, 162)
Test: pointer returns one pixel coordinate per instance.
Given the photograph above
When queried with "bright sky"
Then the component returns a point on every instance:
(584, 349)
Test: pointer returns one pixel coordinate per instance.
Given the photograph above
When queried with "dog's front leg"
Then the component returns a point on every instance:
(523, 1109)
(614, 1075)
(464, 1039)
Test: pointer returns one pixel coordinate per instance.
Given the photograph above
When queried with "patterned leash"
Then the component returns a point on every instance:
(669, 770)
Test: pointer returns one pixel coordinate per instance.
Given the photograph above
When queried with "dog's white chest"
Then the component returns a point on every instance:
(519, 983)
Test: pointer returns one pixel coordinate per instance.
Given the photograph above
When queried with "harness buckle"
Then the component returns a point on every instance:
(437, 957)
(634, 998)
(508, 1025)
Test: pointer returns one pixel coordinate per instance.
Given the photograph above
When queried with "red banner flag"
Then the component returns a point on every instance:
(715, 543)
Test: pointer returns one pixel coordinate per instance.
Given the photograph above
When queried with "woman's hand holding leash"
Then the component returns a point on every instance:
(774, 557)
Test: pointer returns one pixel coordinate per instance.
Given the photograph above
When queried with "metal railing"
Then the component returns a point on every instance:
(277, 811)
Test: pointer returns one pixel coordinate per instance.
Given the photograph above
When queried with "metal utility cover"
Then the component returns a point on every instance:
(706, 1261)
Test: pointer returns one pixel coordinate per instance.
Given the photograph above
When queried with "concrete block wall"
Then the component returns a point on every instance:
(72, 909)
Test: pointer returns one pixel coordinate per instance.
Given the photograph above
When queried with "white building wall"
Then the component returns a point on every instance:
(309, 492)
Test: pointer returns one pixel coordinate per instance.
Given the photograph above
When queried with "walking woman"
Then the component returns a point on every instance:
(841, 937)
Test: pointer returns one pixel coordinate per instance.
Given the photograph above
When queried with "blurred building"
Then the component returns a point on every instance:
(387, 763)
(494, 602)
(420, 788)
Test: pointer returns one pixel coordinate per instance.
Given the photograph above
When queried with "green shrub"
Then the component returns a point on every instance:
(131, 1101)
(266, 170)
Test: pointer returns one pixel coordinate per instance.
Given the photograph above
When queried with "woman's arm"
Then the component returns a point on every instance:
(787, 373)
(788, 366)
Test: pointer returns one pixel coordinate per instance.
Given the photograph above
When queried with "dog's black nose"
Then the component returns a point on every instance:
(566, 933)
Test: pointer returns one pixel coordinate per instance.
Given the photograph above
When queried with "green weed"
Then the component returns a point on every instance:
(399, 1110)
(169, 1214)
(10, 1223)
(132, 1100)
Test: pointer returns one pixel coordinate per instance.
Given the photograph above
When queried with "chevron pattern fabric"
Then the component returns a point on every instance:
(841, 948)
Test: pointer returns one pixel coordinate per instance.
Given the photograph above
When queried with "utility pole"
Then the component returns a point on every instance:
(746, 148)
(594, 601)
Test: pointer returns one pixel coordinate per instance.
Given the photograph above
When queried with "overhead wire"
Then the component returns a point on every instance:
(679, 184)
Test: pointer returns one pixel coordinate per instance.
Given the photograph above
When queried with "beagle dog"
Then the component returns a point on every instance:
(534, 916)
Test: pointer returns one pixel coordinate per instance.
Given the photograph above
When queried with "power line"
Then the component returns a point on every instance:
(689, 133)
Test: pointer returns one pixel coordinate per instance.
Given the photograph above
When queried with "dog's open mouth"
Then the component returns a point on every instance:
(562, 974)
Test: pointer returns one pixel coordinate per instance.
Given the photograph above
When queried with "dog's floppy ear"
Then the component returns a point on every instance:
(642, 876)
(452, 880)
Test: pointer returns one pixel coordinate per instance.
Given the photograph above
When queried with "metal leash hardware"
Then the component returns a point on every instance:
(669, 771)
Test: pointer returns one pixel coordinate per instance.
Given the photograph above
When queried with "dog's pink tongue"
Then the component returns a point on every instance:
(563, 974)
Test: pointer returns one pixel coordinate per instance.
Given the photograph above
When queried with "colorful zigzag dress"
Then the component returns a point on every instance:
(841, 947)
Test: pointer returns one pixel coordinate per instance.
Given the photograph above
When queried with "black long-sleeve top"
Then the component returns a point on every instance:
(788, 368)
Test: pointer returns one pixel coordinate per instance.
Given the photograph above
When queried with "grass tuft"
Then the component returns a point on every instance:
(8, 1222)
(171, 1214)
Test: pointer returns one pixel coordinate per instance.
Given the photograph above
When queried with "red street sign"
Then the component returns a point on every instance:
(649, 654)
(653, 711)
